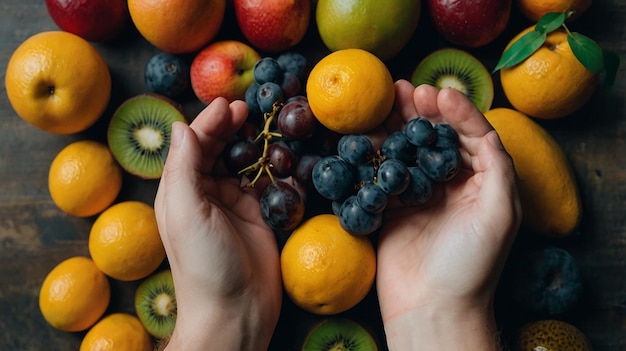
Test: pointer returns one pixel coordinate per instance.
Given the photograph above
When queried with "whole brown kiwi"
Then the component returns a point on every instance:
(551, 335)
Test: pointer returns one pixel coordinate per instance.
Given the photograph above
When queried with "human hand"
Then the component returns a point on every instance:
(439, 265)
(224, 258)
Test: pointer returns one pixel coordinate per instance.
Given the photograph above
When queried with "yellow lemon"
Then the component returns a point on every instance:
(325, 269)
(74, 294)
(124, 241)
(551, 83)
(549, 194)
(58, 82)
(117, 332)
(350, 91)
(84, 178)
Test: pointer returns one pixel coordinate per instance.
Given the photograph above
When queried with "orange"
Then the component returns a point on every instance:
(535, 9)
(58, 82)
(124, 241)
(84, 178)
(117, 332)
(549, 193)
(551, 83)
(177, 26)
(74, 294)
(389, 24)
(325, 269)
(350, 91)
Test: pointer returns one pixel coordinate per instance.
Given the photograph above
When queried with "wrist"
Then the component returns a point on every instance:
(443, 328)
(227, 326)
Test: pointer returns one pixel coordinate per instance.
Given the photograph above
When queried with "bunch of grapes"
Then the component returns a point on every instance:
(273, 141)
(275, 79)
(359, 180)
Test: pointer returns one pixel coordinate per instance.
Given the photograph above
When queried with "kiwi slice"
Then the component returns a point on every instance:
(458, 69)
(339, 334)
(139, 133)
(155, 304)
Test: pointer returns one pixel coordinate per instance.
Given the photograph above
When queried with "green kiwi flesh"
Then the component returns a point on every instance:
(458, 69)
(155, 304)
(139, 133)
(335, 334)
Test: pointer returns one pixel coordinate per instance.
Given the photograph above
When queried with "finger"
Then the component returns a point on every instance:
(180, 179)
(457, 110)
(496, 178)
(425, 101)
(403, 108)
(215, 126)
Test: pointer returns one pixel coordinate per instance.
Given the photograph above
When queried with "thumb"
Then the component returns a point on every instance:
(178, 188)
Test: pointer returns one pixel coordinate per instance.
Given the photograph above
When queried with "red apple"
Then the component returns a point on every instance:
(273, 25)
(470, 23)
(224, 68)
(93, 20)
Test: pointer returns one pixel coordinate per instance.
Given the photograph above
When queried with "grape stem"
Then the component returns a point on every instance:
(262, 165)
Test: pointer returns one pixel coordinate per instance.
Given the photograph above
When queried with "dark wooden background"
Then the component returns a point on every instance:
(35, 235)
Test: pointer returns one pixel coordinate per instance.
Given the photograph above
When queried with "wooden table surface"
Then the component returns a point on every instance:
(35, 235)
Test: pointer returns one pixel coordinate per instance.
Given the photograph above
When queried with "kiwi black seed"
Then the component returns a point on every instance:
(339, 334)
(454, 68)
(552, 335)
(155, 304)
(139, 133)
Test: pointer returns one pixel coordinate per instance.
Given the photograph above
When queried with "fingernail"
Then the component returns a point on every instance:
(494, 140)
(178, 135)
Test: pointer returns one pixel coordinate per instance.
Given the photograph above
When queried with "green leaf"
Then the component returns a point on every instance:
(550, 22)
(611, 64)
(521, 49)
(586, 51)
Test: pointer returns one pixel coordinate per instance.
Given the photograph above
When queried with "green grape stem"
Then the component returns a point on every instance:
(262, 165)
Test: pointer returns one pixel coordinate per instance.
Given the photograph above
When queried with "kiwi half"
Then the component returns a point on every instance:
(155, 304)
(339, 334)
(458, 69)
(139, 133)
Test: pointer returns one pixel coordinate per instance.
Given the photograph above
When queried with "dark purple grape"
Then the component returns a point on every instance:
(298, 98)
(393, 176)
(293, 62)
(296, 120)
(356, 149)
(446, 131)
(420, 131)
(365, 173)
(267, 70)
(240, 155)
(333, 178)
(371, 197)
(282, 159)
(291, 85)
(282, 207)
(248, 131)
(355, 220)
(304, 170)
(268, 94)
(167, 74)
(420, 188)
(440, 161)
(398, 146)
